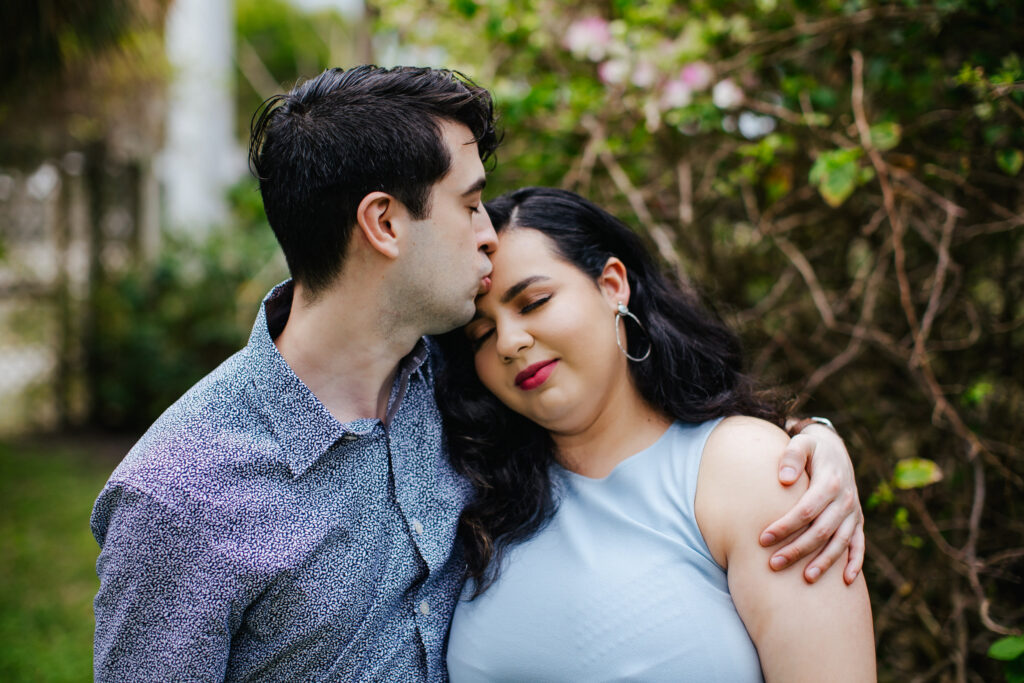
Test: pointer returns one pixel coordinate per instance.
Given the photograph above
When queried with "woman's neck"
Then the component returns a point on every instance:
(624, 428)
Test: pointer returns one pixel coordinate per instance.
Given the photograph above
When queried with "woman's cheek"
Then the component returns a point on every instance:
(489, 372)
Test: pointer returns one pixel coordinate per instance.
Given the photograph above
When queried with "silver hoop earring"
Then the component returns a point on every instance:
(625, 312)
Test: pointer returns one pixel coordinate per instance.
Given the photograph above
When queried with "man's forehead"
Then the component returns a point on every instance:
(466, 175)
(460, 132)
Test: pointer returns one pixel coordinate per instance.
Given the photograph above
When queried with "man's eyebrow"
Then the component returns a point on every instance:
(518, 287)
(478, 186)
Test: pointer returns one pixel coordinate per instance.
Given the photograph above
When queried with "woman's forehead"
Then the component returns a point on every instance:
(521, 240)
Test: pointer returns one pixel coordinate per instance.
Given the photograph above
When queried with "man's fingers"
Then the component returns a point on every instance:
(835, 550)
(856, 558)
(794, 458)
(803, 513)
(810, 539)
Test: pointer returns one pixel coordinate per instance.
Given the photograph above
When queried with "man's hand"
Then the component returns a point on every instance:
(829, 512)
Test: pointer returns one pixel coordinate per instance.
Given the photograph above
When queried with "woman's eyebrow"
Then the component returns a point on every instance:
(515, 289)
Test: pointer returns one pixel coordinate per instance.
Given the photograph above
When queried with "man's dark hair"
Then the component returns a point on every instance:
(319, 149)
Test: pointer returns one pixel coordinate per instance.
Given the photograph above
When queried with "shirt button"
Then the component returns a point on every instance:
(424, 608)
(417, 527)
(350, 437)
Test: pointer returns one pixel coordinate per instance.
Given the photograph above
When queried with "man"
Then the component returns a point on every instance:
(293, 515)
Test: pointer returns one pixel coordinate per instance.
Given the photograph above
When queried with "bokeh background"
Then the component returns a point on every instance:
(842, 178)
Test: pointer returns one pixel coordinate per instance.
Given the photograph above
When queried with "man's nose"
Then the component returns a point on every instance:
(486, 237)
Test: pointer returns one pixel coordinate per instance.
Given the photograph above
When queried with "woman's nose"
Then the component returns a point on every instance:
(512, 341)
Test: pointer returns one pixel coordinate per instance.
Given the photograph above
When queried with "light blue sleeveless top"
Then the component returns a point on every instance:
(618, 586)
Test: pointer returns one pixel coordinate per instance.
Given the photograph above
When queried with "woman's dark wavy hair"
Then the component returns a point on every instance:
(694, 373)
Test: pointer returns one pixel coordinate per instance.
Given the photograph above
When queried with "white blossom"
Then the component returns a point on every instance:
(588, 37)
(752, 126)
(613, 72)
(676, 94)
(726, 94)
(644, 75)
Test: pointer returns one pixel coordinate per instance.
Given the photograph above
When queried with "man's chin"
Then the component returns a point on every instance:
(456, 320)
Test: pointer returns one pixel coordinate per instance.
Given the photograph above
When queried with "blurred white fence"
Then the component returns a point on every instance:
(62, 224)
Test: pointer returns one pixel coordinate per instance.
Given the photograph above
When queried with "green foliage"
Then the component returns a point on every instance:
(279, 45)
(79, 73)
(41, 39)
(914, 473)
(1007, 649)
(836, 173)
(846, 179)
(1011, 651)
(161, 327)
(1010, 160)
(885, 136)
(881, 495)
(977, 393)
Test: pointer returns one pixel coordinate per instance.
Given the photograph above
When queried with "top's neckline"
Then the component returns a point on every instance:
(622, 464)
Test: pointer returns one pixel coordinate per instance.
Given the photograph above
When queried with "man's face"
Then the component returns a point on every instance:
(447, 265)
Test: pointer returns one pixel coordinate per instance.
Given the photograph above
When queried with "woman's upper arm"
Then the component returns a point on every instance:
(802, 631)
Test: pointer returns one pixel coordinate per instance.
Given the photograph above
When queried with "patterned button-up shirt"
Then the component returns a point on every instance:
(249, 535)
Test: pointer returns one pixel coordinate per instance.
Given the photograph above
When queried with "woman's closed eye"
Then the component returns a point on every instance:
(478, 334)
(533, 305)
(478, 337)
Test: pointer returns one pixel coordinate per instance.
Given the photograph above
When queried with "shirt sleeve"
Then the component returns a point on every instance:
(164, 606)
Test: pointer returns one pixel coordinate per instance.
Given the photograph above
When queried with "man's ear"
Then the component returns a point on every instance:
(613, 282)
(376, 217)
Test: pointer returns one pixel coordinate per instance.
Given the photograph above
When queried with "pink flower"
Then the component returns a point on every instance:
(676, 94)
(726, 94)
(697, 75)
(613, 72)
(588, 37)
(644, 75)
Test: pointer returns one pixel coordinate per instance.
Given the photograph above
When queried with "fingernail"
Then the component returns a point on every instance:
(813, 573)
(778, 562)
(767, 538)
(788, 473)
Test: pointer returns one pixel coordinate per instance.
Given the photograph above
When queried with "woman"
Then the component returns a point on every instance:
(624, 462)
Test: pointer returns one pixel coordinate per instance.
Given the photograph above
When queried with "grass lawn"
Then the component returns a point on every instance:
(47, 559)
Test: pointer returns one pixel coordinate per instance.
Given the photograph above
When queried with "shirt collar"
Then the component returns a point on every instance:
(300, 423)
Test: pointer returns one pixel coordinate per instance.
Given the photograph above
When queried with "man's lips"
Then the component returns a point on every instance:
(485, 284)
(536, 374)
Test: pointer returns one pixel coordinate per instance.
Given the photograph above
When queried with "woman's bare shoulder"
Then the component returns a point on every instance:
(747, 444)
(738, 489)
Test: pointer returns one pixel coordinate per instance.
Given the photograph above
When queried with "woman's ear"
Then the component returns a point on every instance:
(375, 218)
(613, 282)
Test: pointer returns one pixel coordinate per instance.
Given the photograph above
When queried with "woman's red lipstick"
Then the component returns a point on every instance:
(535, 375)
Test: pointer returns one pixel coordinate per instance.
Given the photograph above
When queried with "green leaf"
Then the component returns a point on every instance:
(914, 473)
(977, 393)
(883, 494)
(885, 136)
(817, 119)
(1007, 649)
(1014, 671)
(901, 519)
(467, 8)
(836, 174)
(1010, 160)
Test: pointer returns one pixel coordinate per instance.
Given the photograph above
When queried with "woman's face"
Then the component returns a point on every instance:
(544, 335)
